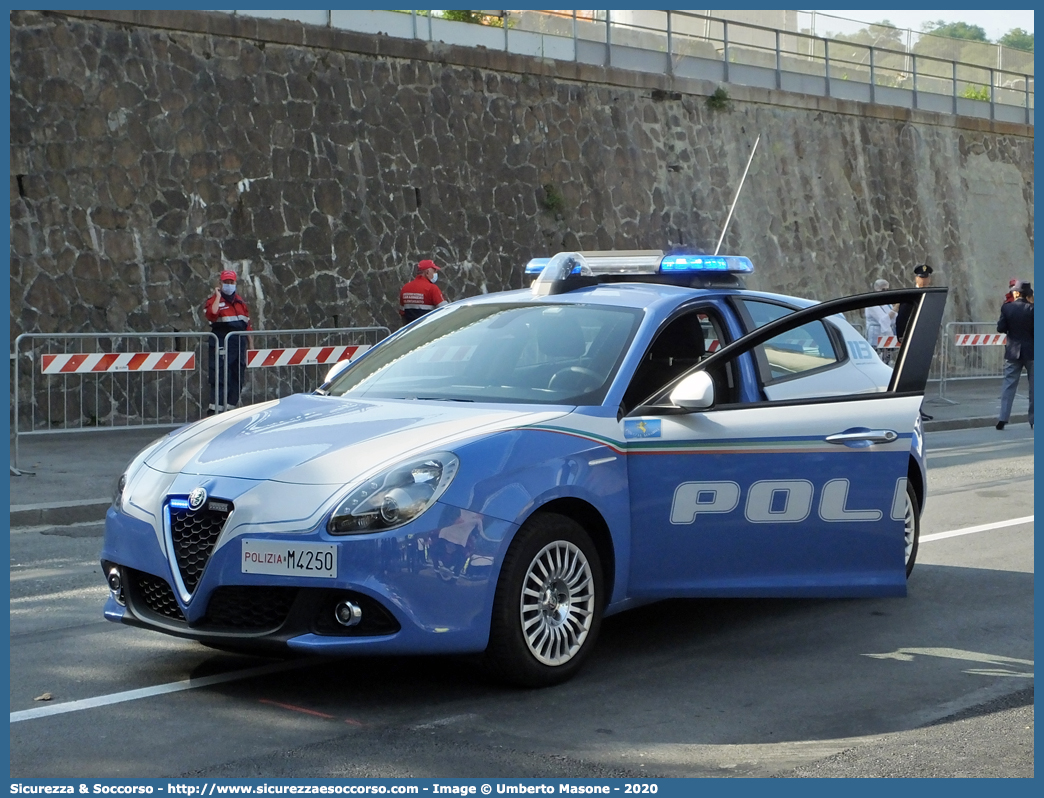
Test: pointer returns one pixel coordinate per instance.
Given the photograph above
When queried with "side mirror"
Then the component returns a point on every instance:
(695, 392)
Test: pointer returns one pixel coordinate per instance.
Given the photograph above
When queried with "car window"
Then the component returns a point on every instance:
(544, 354)
(678, 347)
(794, 352)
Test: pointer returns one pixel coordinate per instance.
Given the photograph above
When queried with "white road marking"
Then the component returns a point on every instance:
(206, 681)
(146, 692)
(971, 530)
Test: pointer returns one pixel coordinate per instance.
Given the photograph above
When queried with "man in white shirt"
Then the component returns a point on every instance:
(880, 321)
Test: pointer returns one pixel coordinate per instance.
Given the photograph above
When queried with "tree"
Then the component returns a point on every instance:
(955, 30)
(1017, 39)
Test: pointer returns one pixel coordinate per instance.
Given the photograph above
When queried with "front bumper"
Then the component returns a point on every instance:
(426, 587)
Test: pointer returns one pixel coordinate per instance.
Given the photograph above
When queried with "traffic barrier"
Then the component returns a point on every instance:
(997, 339)
(104, 381)
(141, 361)
(974, 349)
(278, 363)
(302, 356)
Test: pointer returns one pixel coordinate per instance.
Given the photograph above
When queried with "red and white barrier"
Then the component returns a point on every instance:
(122, 361)
(887, 342)
(988, 339)
(301, 356)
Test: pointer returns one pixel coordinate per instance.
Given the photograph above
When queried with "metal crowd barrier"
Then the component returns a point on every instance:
(974, 349)
(283, 362)
(106, 381)
(103, 381)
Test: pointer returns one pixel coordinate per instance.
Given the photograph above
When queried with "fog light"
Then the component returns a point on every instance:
(115, 580)
(348, 614)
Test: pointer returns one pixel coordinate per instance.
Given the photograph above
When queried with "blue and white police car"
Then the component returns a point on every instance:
(505, 472)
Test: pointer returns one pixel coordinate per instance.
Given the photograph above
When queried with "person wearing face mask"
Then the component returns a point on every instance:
(420, 295)
(227, 312)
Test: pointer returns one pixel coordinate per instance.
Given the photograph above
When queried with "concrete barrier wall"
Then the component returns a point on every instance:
(149, 150)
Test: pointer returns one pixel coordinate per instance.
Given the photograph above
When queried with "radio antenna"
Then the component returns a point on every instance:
(736, 198)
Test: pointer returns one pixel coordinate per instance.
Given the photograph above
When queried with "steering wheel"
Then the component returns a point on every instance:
(573, 377)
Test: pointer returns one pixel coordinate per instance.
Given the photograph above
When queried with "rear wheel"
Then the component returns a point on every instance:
(548, 604)
(911, 527)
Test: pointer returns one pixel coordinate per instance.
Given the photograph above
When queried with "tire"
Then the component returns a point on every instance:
(911, 528)
(547, 608)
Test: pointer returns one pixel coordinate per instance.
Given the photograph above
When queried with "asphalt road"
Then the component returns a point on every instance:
(939, 683)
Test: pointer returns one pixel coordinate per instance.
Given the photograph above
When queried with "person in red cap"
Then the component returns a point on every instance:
(1009, 297)
(227, 312)
(420, 295)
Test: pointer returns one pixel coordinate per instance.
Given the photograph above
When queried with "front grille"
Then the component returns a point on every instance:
(194, 535)
(157, 595)
(253, 608)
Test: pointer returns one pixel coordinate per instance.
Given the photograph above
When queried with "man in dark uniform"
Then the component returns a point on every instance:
(922, 279)
(1016, 320)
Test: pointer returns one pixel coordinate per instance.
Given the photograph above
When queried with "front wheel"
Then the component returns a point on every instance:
(548, 604)
(911, 528)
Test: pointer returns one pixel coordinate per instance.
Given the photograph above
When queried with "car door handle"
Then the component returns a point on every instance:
(869, 436)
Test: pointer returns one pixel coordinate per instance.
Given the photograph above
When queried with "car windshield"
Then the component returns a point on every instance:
(523, 353)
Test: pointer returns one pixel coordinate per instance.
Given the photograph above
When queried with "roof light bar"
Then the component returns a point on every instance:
(555, 269)
(637, 261)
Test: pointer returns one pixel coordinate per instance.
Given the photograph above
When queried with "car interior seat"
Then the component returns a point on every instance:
(677, 349)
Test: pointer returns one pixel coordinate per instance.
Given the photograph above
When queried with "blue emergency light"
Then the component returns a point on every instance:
(687, 264)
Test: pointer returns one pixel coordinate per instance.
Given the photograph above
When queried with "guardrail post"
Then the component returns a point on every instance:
(873, 77)
(826, 62)
(779, 64)
(608, 39)
(725, 46)
(913, 66)
(993, 95)
(1026, 80)
(953, 65)
(670, 46)
(576, 41)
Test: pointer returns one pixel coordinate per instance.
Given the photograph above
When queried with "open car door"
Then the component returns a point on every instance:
(804, 495)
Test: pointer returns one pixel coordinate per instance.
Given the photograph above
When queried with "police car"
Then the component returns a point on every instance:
(504, 473)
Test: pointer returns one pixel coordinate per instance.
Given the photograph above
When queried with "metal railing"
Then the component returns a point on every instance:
(103, 381)
(696, 45)
(969, 362)
(89, 382)
(284, 362)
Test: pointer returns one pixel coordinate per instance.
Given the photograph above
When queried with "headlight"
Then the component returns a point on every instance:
(135, 464)
(395, 496)
(117, 491)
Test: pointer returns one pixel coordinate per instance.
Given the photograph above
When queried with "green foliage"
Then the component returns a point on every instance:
(1017, 39)
(553, 201)
(474, 17)
(955, 30)
(719, 101)
(881, 34)
(976, 93)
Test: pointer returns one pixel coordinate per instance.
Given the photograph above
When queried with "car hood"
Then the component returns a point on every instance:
(309, 439)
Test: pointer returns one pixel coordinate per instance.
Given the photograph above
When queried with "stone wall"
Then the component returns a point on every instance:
(149, 150)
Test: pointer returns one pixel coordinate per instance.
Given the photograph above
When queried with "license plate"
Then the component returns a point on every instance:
(282, 558)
